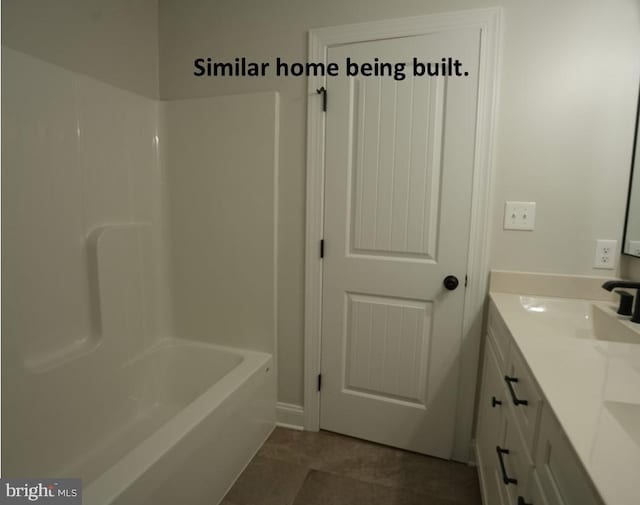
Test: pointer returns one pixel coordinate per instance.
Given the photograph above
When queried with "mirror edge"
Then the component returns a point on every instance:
(633, 169)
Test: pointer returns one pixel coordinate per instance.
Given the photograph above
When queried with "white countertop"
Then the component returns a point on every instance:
(592, 386)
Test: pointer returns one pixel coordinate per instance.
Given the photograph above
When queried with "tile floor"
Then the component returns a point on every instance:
(306, 468)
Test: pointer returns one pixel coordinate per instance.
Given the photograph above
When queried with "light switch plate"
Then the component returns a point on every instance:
(605, 254)
(520, 216)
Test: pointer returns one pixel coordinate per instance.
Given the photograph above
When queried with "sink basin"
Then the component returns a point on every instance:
(607, 325)
(580, 319)
(559, 315)
(628, 416)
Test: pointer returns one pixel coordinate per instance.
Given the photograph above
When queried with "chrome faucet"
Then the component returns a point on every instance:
(626, 298)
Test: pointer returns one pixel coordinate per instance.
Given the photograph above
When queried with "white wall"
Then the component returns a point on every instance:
(115, 41)
(565, 132)
(221, 157)
(565, 122)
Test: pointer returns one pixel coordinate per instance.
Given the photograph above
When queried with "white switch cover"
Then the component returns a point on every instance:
(519, 215)
(605, 254)
(634, 247)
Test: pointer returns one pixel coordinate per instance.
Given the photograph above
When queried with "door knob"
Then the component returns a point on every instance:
(451, 282)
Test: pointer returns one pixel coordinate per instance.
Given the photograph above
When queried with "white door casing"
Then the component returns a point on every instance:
(403, 250)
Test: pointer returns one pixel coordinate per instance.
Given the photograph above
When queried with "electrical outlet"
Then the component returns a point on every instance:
(634, 247)
(605, 254)
(520, 216)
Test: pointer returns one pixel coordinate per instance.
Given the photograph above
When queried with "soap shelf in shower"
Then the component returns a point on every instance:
(119, 272)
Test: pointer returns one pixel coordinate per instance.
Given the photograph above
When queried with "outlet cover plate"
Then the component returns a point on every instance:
(605, 257)
(520, 216)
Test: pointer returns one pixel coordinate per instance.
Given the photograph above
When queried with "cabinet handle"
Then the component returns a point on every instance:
(495, 401)
(505, 478)
(522, 502)
(516, 400)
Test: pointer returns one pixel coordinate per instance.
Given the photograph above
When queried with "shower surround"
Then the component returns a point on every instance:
(120, 360)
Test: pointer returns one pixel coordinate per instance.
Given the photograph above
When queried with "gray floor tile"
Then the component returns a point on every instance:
(322, 488)
(267, 481)
(325, 451)
(373, 463)
(430, 476)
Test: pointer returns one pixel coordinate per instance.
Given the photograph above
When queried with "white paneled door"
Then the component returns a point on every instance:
(399, 162)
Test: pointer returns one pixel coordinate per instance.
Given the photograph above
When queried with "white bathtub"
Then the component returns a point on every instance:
(139, 420)
(201, 413)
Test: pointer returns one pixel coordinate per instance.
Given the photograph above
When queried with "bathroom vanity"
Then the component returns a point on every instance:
(559, 407)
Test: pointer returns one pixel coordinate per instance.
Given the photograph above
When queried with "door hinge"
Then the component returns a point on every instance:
(322, 248)
(323, 91)
(466, 280)
(319, 381)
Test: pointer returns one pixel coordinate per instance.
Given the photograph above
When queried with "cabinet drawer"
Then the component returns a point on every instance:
(523, 397)
(502, 496)
(516, 465)
(491, 406)
(499, 336)
(562, 480)
(490, 429)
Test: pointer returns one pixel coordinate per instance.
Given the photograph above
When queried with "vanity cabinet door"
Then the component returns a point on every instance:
(516, 466)
(525, 400)
(562, 479)
(534, 495)
(490, 430)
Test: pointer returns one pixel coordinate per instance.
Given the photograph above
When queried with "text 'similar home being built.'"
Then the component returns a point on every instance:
(313, 253)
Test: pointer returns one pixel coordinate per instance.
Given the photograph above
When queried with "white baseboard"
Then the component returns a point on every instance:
(290, 416)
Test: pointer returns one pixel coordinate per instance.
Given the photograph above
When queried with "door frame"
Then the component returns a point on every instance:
(320, 40)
